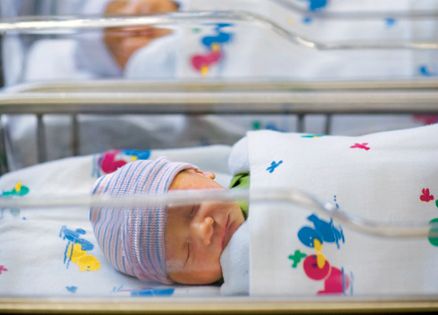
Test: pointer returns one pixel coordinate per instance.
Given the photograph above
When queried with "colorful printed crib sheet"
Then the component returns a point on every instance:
(388, 177)
(53, 251)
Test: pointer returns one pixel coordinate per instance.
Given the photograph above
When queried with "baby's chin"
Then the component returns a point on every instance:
(198, 277)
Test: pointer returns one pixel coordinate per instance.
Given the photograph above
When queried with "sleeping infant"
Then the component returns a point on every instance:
(177, 244)
(205, 243)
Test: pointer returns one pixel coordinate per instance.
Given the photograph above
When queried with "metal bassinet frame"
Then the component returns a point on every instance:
(222, 98)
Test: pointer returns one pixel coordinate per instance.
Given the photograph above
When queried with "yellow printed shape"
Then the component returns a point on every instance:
(18, 186)
(291, 21)
(88, 263)
(317, 245)
(85, 262)
(215, 47)
(134, 158)
(204, 70)
(320, 258)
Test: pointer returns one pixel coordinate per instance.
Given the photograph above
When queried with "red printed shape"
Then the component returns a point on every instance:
(206, 60)
(312, 270)
(363, 146)
(426, 196)
(2, 269)
(426, 119)
(336, 283)
(109, 163)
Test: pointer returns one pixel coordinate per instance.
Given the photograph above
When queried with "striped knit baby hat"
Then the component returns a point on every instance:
(132, 239)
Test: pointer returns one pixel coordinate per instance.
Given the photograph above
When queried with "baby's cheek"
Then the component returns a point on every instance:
(174, 266)
(212, 262)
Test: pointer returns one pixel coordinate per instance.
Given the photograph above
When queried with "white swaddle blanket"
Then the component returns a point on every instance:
(388, 177)
(235, 263)
(53, 251)
(256, 51)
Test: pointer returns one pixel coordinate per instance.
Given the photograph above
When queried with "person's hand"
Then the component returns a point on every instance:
(123, 42)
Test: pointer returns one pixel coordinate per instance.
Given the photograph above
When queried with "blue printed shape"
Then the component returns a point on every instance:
(316, 5)
(424, 71)
(72, 289)
(220, 37)
(219, 26)
(322, 231)
(273, 126)
(140, 154)
(153, 292)
(307, 236)
(328, 232)
(273, 166)
(390, 22)
(307, 20)
(335, 201)
(75, 237)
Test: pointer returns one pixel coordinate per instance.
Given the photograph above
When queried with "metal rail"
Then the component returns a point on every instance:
(243, 85)
(288, 195)
(222, 97)
(72, 25)
(357, 16)
(221, 102)
(214, 97)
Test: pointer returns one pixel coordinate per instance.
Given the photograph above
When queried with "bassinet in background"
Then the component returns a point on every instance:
(310, 103)
(269, 42)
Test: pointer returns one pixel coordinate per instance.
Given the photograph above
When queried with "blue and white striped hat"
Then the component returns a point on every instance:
(132, 239)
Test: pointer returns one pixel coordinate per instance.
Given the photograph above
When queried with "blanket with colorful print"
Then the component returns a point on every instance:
(53, 251)
(389, 177)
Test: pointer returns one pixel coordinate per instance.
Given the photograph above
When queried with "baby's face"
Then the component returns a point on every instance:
(138, 7)
(124, 42)
(196, 235)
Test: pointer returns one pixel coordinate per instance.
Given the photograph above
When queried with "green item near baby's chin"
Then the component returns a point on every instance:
(241, 180)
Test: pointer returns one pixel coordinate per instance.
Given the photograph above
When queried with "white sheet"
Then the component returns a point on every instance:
(388, 177)
(34, 252)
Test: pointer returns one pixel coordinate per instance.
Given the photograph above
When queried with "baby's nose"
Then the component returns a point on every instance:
(204, 230)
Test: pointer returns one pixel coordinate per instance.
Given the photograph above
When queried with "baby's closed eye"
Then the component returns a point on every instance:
(188, 251)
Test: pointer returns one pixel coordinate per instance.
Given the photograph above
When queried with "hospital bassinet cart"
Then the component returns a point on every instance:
(298, 99)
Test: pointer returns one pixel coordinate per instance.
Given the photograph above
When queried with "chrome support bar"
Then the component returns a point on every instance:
(41, 139)
(294, 102)
(287, 195)
(72, 25)
(355, 16)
